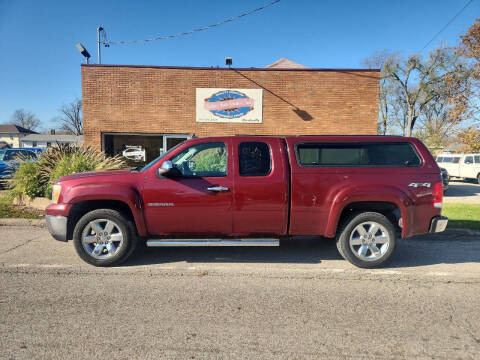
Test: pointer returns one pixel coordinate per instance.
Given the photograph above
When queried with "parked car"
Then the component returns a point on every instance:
(365, 191)
(9, 161)
(445, 179)
(465, 166)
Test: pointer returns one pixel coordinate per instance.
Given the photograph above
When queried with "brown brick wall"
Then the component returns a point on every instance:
(162, 100)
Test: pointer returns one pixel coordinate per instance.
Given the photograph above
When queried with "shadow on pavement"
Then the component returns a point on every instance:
(447, 248)
(301, 250)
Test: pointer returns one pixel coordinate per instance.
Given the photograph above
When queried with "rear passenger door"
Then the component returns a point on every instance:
(261, 187)
(468, 167)
(477, 166)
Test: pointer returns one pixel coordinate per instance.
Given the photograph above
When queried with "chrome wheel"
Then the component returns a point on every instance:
(102, 238)
(369, 241)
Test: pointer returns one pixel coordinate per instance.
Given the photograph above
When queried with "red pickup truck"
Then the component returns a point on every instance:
(365, 191)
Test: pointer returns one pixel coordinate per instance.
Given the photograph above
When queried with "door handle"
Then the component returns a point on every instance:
(218, 188)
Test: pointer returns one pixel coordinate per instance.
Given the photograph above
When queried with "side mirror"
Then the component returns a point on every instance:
(168, 170)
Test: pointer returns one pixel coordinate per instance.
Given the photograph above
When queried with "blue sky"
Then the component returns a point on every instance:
(40, 66)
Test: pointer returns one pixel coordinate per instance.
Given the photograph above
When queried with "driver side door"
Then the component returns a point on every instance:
(199, 201)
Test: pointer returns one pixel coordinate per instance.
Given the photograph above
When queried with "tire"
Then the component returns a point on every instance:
(104, 237)
(478, 179)
(379, 244)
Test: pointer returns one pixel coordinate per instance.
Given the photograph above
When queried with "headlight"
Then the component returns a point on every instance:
(56, 193)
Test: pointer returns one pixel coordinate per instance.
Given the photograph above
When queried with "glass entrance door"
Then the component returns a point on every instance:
(169, 141)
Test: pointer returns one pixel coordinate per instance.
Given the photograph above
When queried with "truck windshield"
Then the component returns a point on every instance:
(154, 161)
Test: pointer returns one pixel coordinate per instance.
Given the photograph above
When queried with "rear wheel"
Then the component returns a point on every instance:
(366, 239)
(104, 237)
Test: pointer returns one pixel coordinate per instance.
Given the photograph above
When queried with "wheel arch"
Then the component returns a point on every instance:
(81, 208)
(392, 202)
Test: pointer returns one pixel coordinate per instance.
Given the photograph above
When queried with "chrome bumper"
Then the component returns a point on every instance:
(438, 224)
(57, 226)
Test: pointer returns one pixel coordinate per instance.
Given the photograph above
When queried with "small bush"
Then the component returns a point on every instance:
(25, 181)
(35, 179)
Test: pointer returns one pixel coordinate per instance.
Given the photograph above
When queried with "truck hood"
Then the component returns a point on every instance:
(95, 173)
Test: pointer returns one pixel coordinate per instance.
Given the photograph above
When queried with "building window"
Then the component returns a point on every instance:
(34, 144)
(49, 144)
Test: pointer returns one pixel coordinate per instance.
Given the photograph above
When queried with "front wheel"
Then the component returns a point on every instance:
(366, 239)
(104, 237)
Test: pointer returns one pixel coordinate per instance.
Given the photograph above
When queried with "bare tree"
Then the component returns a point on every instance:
(71, 117)
(442, 77)
(25, 119)
(440, 124)
(377, 61)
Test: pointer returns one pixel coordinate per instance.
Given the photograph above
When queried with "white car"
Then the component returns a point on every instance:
(465, 166)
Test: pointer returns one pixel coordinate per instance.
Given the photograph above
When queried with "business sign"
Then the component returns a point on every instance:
(229, 105)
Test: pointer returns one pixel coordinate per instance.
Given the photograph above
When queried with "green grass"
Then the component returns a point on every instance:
(465, 216)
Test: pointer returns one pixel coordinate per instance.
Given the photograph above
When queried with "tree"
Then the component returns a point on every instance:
(377, 61)
(439, 124)
(71, 117)
(25, 119)
(470, 48)
(470, 138)
(441, 77)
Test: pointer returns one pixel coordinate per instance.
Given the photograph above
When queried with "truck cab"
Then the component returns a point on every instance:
(365, 191)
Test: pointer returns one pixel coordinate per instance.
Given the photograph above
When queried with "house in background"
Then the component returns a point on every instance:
(11, 134)
(43, 141)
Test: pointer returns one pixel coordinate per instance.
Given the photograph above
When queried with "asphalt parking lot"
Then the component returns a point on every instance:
(463, 192)
(300, 300)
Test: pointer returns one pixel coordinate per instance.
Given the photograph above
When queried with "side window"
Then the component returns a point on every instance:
(455, 160)
(27, 154)
(202, 160)
(469, 160)
(477, 159)
(11, 155)
(439, 159)
(357, 154)
(254, 158)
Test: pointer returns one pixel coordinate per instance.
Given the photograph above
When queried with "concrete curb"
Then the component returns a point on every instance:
(22, 222)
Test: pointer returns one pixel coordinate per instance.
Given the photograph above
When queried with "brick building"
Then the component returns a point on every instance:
(158, 106)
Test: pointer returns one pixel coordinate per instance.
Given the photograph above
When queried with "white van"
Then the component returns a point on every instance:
(461, 165)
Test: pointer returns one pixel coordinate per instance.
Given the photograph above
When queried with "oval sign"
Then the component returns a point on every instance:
(229, 104)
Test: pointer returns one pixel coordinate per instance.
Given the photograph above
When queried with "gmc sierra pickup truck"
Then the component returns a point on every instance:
(364, 191)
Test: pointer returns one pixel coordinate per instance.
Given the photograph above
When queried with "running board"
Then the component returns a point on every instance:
(213, 242)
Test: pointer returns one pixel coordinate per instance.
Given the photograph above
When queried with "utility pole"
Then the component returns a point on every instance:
(98, 44)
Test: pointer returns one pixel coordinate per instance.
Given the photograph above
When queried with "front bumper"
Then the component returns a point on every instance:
(438, 224)
(57, 226)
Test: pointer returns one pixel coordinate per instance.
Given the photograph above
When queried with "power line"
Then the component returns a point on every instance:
(451, 20)
(165, 37)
